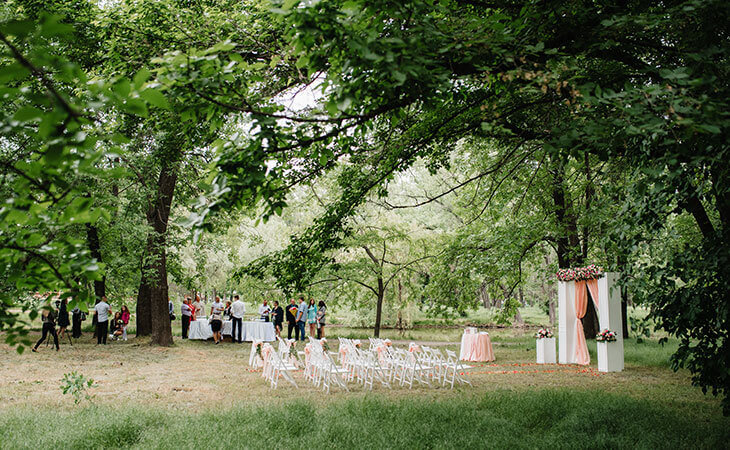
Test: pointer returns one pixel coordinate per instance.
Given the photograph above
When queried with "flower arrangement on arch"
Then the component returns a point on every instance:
(606, 336)
(590, 272)
(543, 333)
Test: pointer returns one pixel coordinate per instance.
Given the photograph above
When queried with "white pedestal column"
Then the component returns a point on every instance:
(609, 316)
(545, 351)
(610, 357)
(566, 322)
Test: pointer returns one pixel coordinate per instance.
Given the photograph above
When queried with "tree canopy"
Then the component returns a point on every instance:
(545, 134)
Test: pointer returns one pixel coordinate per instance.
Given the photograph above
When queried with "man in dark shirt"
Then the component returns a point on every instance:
(291, 318)
(278, 318)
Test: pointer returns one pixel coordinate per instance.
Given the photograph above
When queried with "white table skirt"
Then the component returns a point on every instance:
(262, 331)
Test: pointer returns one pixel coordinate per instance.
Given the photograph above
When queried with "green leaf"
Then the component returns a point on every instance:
(302, 61)
(14, 71)
(155, 98)
(400, 77)
(141, 77)
(136, 106)
(122, 88)
(27, 113)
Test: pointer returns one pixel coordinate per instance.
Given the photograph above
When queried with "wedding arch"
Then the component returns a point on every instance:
(573, 288)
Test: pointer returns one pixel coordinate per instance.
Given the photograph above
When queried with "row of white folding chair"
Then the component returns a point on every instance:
(325, 371)
(435, 360)
(445, 370)
(456, 369)
(376, 342)
(409, 368)
(364, 367)
(275, 367)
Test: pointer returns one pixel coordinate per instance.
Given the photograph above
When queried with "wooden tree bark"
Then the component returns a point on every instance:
(152, 300)
(569, 249)
(92, 236)
(379, 306)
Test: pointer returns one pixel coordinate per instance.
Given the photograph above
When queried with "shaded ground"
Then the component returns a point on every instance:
(200, 375)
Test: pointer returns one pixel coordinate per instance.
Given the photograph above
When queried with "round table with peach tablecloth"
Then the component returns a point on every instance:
(476, 347)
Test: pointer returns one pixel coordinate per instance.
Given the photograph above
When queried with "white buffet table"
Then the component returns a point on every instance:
(261, 331)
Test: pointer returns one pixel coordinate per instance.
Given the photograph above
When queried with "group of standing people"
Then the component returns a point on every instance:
(298, 316)
(303, 314)
(50, 317)
(119, 322)
(114, 325)
(190, 310)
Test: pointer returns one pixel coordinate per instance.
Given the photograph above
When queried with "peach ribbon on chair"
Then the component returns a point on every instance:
(307, 352)
(381, 350)
(343, 352)
(266, 353)
(581, 305)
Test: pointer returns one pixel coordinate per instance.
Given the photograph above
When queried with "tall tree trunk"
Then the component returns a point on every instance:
(621, 260)
(551, 312)
(569, 248)
(144, 307)
(92, 236)
(153, 292)
(379, 306)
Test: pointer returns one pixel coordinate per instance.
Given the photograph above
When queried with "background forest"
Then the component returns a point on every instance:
(427, 156)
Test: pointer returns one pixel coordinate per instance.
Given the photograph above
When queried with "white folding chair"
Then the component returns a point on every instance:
(279, 367)
(455, 369)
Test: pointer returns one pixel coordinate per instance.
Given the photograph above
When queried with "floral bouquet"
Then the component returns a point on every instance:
(325, 345)
(388, 343)
(357, 343)
(259, 346)
(606, 336)
(543, 333)
(590, 272)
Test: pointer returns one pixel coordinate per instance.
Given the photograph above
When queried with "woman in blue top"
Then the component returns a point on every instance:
(312, 317)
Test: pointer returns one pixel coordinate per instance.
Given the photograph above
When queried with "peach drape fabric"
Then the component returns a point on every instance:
(593, 287)
(581, 304)
(476, 347)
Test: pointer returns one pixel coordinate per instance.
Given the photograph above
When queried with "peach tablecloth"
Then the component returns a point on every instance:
(476, 347)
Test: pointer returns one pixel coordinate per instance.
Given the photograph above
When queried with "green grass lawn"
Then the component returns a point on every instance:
(553, 418)
(197, 395)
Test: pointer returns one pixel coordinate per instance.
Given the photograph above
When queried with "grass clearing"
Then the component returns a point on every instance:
(196, 394)
(553, 418)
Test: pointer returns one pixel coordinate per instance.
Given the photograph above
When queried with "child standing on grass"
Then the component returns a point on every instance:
(125, 321)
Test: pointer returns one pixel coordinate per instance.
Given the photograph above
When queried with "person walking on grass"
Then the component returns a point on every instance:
(291, 319)
(321, 319)
(302, 317)
(312, 317)
(102, 310)
(238, 309)
(48, 318)
(125, 321)
(216, 319)
(278, 314)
